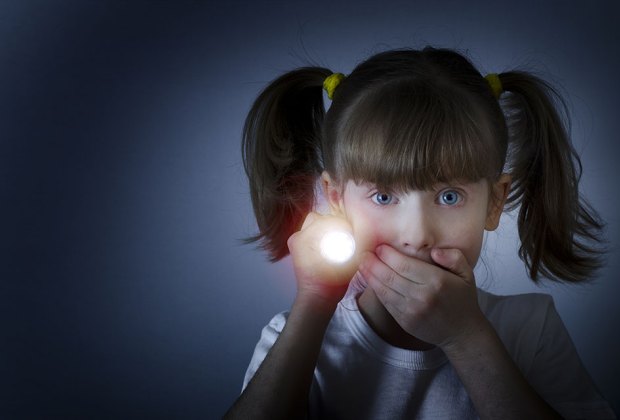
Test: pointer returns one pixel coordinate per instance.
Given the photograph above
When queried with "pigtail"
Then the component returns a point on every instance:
(281, 155)
(560, 233)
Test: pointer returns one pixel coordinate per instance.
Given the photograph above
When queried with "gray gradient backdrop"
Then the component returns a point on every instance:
(124, 291)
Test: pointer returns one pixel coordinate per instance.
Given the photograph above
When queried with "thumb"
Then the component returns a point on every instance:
(454, 261)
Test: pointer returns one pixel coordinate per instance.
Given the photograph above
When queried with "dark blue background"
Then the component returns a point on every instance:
(124, 292)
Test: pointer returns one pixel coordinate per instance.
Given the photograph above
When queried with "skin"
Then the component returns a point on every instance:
(407, 230)
(417, 253)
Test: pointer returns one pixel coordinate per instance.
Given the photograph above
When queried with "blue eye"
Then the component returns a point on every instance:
(449, 197)
(382, 199)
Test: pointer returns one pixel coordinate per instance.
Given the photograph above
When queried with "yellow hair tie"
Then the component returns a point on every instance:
(495, 84)
(331, 83)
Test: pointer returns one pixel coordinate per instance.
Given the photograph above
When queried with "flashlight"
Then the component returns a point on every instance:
(337, 246)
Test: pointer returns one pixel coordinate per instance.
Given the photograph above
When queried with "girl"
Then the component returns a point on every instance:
(417, 157)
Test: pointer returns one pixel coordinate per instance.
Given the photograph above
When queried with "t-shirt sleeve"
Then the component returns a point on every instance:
(269, 335)
(559, 376)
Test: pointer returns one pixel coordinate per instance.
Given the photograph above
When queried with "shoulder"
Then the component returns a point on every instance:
(520, 321)
(493, 304)
(539, 343)
(516, 311)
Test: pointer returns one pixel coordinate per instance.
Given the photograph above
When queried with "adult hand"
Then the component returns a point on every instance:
(435, 303)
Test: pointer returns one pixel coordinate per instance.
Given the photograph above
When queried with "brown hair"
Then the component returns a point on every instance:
(408, 119)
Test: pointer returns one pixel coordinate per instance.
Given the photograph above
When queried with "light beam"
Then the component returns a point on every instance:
(337, 246)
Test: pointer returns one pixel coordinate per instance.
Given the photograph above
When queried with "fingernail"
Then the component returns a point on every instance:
(438, 252)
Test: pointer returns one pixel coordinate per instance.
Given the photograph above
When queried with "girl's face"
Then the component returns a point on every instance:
(451, 215)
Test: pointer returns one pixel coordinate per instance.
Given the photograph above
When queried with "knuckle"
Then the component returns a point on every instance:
(390, 280)
(308, 220)
(402, 267)
(429, 303)
(411, 312)
(439, 286)
(382, 292)
(290, 242)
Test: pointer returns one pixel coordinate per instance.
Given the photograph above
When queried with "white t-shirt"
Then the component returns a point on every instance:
(360, 376)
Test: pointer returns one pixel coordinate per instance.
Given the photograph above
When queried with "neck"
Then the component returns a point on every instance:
(382, 322)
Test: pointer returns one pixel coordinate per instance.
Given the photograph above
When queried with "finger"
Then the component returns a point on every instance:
(454, 261)
(311, 217)
(389, 298)
(413, 269)
(376, 271)
(397, 304)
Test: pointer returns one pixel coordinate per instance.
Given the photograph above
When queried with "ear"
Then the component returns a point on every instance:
(334, 195)
(499, 194)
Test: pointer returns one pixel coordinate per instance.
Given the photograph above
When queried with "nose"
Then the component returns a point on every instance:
(417, 231)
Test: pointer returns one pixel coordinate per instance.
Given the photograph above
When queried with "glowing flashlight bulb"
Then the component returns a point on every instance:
(337, 246)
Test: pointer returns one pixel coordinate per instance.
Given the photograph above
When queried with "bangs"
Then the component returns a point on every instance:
(411, 136)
